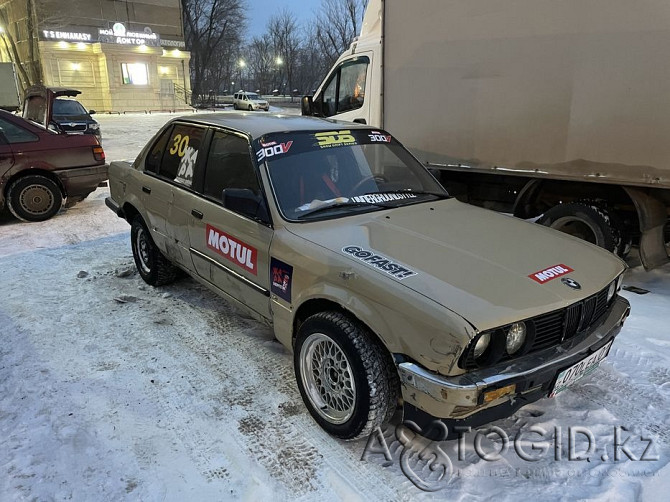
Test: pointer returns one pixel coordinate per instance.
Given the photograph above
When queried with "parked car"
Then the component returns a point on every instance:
(249, 101)
(41, 169)
(67, 114)
(382, 285)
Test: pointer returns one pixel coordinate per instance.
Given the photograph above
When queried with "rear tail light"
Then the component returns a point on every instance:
(98, 153)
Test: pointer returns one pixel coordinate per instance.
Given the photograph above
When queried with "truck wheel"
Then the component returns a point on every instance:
(34, 198)
(587, 222)
(347, 379)
(154, 268)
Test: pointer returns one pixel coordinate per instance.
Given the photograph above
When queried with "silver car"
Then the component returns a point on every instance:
(249, 101)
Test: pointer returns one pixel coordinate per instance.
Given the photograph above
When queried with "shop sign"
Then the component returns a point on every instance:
(119, 35)
(68, 36)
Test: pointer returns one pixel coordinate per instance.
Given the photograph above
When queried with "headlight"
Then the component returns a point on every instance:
(611, 291)
(482, 344)
(619, 283)
(516, 336)
(94, 127)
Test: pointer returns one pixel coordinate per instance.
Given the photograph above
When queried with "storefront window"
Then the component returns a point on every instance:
(135, 73)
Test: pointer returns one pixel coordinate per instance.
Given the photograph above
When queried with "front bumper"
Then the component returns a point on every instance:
(459, 401)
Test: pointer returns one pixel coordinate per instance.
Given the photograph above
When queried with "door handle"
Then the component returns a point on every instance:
(197, 214)
(146, 189)
(360, 121)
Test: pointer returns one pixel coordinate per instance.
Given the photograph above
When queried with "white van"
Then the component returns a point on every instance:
(249, 101)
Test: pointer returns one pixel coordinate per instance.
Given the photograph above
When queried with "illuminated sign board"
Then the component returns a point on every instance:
(70, 36)
(119, 35)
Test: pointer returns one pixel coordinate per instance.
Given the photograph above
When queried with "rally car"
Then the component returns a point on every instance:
(388, 291)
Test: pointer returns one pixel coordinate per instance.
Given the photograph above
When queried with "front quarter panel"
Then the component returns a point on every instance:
(407, 323)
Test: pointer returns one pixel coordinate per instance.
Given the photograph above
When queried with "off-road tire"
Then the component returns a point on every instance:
(585, 221)
(372, 369)
(154, 268)
(34, 198)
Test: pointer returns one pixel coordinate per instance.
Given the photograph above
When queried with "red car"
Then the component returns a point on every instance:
(40, 169)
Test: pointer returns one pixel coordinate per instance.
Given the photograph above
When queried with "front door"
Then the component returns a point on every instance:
(231, 249)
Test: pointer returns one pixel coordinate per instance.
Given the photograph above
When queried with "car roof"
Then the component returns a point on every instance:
(256, 126)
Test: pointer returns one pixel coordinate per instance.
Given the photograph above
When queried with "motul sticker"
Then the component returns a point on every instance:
(281, 275)
(234, 250)
(551, 273)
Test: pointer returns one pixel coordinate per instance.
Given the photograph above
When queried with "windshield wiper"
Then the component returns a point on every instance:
(338, 205)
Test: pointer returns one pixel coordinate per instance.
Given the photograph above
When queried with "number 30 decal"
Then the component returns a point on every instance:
(180, 145)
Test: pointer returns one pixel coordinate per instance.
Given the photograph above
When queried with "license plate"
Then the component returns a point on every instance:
(584, 367)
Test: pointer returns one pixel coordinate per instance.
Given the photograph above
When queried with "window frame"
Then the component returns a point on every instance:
(199, 189)
(124, 70)
(337, 76)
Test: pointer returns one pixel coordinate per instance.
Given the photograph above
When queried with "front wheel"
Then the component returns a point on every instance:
(34, 198)
(347, 378)
(154, 268)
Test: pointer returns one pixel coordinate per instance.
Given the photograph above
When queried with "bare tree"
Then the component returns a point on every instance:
(23, 50)
(261, 62)
(212, 29)
(284, 33)
(337, 23)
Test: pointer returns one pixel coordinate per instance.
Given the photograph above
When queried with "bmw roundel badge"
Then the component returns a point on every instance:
(571, 283)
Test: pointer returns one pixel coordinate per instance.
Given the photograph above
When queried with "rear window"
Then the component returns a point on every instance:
(68, 107)
(181, 154)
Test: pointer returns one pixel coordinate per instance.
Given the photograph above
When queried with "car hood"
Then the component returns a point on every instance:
(479, 264)
(38, 102)
(74, 118)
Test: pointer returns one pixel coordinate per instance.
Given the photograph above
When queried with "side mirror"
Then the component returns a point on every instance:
(307, 106)
(246, 202)
(91, 112)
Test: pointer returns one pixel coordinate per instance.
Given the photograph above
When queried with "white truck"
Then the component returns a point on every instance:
(558, 111)
(9, 88)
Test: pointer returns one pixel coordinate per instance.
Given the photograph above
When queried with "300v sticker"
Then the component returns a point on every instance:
(381, 262)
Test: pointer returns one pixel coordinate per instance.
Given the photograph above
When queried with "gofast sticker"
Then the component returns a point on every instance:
(281, 276)
(380, 262)
(232, 249)
(335, 138)
(551, 273)
(272, 149)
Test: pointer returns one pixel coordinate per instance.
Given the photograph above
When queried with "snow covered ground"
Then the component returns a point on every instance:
(113, 390)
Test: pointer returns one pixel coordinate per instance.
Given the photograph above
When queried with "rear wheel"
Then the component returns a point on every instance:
(153, 267)
(588, 222)
(347, 378)
(34, 198)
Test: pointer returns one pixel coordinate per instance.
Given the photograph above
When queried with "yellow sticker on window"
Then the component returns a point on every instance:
(335, 138)
(180, 145)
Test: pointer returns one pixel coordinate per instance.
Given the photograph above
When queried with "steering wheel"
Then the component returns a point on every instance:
(377, 178)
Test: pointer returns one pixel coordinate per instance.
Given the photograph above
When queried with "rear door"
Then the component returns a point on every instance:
(168, 179)
(231, 249)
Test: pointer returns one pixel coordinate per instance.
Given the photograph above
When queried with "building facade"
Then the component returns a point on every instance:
(123, 55)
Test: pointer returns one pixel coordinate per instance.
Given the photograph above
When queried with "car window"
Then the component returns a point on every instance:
(352, 170)
(229, 166)
(181, 154)
(155, 155)
(346, 89)
(16, 134)
(68, 107)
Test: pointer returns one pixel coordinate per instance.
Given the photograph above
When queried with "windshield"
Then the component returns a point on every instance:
(335, 173)
(68, 107)
(253, 96)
